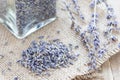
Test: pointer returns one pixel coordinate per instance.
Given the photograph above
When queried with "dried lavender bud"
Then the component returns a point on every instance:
(101, 52)
(70, 46)
(77, 29)
(92, 4)
(58, 32)
(113, 38)
(76, 47)
(91, 28)
(55, 40)
(77, 8)
(92, 57)
(9, 69)
(16, 78)
(119, 45)
(70, 13)
(95, 15)
(82, 35)
(45, 55)
(115, 23)
(96, 43)
(109, 23)
(41, 37)
(1, 56)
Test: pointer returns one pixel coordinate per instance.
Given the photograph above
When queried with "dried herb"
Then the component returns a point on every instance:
(42, 56)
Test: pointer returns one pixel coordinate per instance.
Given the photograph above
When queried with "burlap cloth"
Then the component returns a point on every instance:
(11, 47)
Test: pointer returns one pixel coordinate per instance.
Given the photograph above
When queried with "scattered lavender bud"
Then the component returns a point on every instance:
(70, 46)
(76, 47)
(110, 23)
(9, 63)
(115, 23)
(41, 37)
(113, 38)
(77, 8)
(83, 34)
(55, 40)
(16, 78)
(70, 13)
(77, 29)
(106, 33)
(92, 4)
(9, 69)
(1, 56)
(72, 25)
(95, 15)
(58, 32)
(119, 45)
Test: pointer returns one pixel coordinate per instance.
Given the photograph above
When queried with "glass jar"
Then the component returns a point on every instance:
(22, 17)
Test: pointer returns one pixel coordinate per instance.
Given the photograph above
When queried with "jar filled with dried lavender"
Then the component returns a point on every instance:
(22, 17)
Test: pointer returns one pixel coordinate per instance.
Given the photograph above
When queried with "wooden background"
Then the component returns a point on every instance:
(110, 70)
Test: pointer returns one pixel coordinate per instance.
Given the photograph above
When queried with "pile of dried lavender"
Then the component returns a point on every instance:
(46, 55)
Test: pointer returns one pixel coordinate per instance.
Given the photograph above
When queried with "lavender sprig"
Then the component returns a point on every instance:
(68, 9)
(112, 24)
(77, 8)
(92, 29)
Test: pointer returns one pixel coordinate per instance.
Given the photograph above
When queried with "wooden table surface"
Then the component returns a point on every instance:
(111, 68)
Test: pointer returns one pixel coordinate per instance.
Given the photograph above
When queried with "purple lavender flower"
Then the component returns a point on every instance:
(101, 52)
(68, 9)
(91, 28)
(113, 38)
(93, 62)
(77, 8)
(96, 43)
(119, 45)
(16, 78)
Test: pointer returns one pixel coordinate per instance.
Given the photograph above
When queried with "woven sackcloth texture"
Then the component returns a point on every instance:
(12, 47)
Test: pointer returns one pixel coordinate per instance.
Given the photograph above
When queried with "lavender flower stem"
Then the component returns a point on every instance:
(77, 8)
